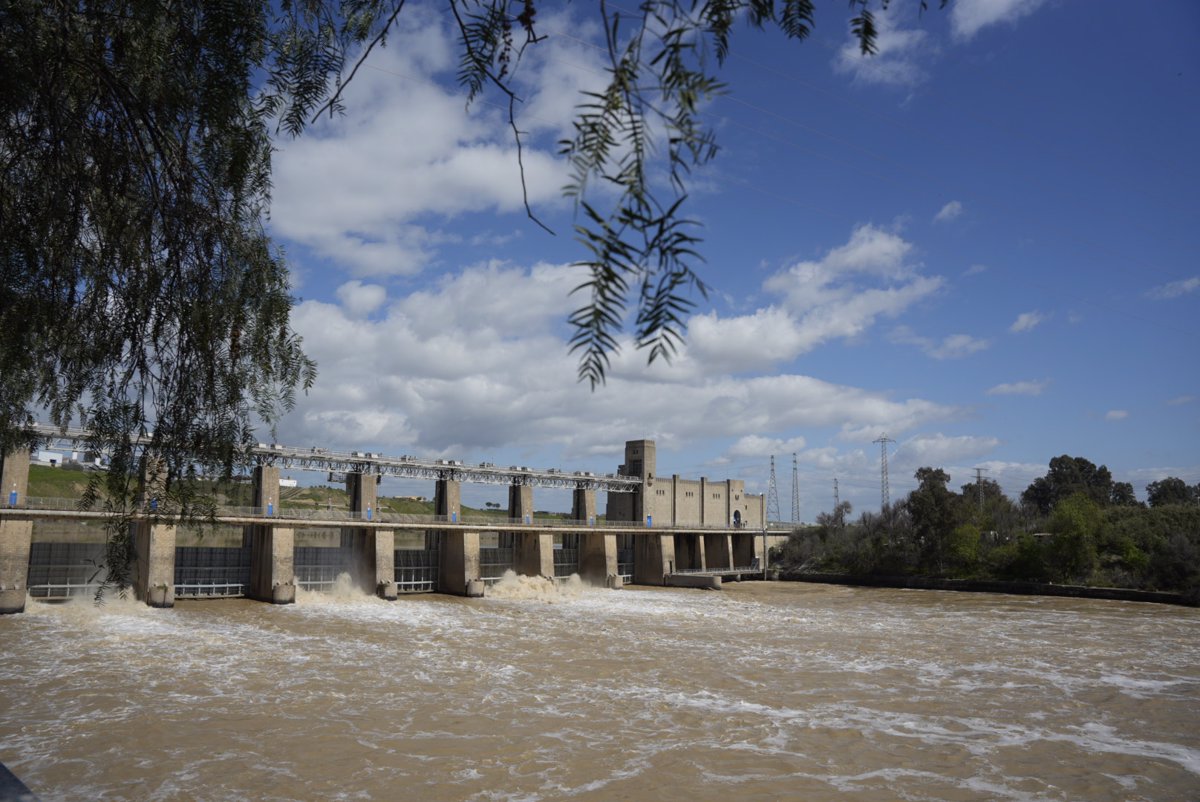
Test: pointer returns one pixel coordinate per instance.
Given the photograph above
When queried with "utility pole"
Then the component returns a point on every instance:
(773, 495)
(884, 491)
(795, 491)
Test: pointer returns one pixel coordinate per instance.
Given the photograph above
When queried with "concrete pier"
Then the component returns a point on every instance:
(154, 545)
(458, 550)
(15, 535)
(533, 552)
(272, 548)
(597, 549)
(374, 549)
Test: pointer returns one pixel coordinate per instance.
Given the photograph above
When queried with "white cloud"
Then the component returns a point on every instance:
(968, 17)
(953, 346)
(1116, 414)
(1020, 388)
(939, 450)
(361, 299)
(948, 212)
(975, 270)
(1181, 400)
(1174, 289)
(898, 59)
(368, 191)
(956, 346)
(756, 446)
(839, 296)
(1026, 321)
(435, 374)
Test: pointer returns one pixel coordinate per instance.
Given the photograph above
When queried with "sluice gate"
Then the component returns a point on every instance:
(325, 555)
(63, 570)
(417, 562)
(497, 555)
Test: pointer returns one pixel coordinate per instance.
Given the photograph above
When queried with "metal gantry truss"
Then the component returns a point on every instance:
(327, 461)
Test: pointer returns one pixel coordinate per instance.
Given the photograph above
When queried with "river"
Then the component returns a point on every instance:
(761, 691)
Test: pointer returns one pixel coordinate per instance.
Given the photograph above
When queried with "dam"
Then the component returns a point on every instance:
(655, 531)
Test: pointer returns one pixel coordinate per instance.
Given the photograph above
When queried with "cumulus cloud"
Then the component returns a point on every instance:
(839, 296)
(368, 191)
(361, 299)
(434, 374)
(1174, 289)
(1116, 414)
(899, 59)
(968, 17)
(1020, 388)
(948, 212)
(1026, 321)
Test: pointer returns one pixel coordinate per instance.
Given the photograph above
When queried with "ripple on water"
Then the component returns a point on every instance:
(553, 690)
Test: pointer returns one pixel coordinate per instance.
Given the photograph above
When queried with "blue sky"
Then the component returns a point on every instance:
(983, 241)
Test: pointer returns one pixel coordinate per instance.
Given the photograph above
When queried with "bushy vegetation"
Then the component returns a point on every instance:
(1072, 526)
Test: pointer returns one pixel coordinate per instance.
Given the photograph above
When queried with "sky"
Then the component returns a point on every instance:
(982, 242)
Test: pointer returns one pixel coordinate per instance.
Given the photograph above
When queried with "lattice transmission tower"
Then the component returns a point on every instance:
(979, 486)
(795, 491)
(885, 495)
(773, 495)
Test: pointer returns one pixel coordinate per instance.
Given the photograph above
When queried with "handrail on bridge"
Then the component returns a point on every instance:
(344, 517)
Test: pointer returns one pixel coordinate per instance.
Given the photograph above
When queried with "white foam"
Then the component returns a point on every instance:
(535, 588)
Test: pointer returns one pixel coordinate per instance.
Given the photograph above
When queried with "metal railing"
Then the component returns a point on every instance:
(417, 570)
(211, 590)
(63, 590)
(287, 511)
(753, 568)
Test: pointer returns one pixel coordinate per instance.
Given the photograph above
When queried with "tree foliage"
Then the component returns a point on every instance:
(1066, 477)
(1171, 490)
(140, 296)
(937, 533)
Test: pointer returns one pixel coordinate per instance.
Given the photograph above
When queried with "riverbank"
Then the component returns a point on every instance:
(988, 586)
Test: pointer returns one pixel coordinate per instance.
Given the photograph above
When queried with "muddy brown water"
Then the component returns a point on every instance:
(761, 691)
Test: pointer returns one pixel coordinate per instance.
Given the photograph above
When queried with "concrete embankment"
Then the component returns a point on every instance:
(989, 586)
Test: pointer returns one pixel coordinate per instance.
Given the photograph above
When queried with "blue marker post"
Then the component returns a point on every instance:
(368, 512)
(528, 519)
(154, 505)
(12, 496)
(591, 520)
(270, 508)
(454, 517)
(649, 521)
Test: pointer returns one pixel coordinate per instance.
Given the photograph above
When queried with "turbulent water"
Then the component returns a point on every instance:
(762, 691)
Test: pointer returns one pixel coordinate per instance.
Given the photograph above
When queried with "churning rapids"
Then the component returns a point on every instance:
(762, 691)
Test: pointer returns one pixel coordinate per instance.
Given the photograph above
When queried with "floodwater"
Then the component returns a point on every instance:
(761, 691)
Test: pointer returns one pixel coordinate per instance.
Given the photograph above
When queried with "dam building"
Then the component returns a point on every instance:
(655, 531)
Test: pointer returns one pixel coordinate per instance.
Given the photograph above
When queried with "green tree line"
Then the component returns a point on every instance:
(1075, 525)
